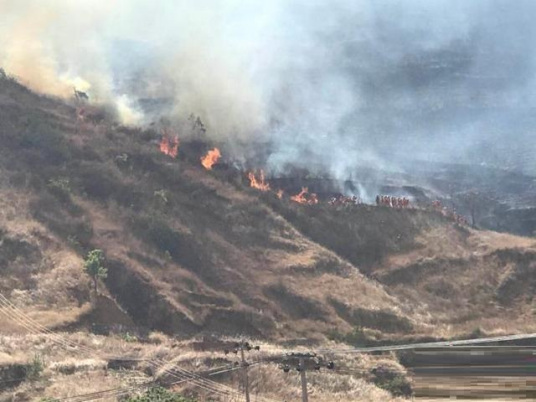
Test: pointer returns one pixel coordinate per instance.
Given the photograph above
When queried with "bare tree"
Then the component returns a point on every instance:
(475, 203)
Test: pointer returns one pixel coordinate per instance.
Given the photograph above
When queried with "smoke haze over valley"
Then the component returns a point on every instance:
(215, 197)
(336, 84)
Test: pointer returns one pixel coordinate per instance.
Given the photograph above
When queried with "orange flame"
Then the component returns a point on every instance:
(260, 184)
(280, 194)
(211, 158)
(170, 148)
(300, 197)
(303, 197)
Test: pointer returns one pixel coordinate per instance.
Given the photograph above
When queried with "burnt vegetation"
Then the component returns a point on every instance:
(195, 250)
(364, 235)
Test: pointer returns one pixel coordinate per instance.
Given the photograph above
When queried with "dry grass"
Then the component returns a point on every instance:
(69, 372)
(454, 281)
(214, 257)
(211, 250)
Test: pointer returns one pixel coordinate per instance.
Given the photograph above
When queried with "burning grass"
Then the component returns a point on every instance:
(304, 197)
(259, 184)
(211, 158)
(169, 146)
(205, 250)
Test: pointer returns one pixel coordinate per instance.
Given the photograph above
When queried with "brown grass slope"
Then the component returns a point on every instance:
(191, 251)
(187, 250)
(455, 278)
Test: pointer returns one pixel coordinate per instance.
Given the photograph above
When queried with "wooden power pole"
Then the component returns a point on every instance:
(304, 362)
(244, 372)
(243, 347)
(303, 377)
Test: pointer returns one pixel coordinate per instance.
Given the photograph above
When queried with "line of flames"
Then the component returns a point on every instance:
(170, 148)
(303, 197)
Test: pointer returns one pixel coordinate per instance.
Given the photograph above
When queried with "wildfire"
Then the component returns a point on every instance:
(210, 158)
(258, 184)
(280, 194)
(303, 197)
(168, 147)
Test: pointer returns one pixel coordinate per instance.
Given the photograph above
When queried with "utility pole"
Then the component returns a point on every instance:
(304, 395)
(303, 362)
(244, 347)
(245, 373)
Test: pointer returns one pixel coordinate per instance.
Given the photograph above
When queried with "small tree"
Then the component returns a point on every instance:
(35, 368)
(475, 203)
(93, 266)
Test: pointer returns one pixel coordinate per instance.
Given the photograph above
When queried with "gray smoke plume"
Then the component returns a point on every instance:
(333, 84)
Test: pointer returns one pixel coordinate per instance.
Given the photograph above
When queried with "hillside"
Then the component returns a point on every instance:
(456, 279)
(187, 251)
(191, 251)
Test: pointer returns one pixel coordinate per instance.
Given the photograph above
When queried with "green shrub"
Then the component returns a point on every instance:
(392, 381)
(35, 368)
(357, 337)
(476, 333)
(129, 338)
(60, 188)
(160, 395)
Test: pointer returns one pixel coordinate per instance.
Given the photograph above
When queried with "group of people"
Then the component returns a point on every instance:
(449, 213)
(392, 201)
(344, 201)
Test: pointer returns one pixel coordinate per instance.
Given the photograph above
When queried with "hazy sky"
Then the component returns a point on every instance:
(334, 82)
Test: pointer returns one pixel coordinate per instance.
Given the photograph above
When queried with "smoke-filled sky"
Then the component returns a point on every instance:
(336, 83)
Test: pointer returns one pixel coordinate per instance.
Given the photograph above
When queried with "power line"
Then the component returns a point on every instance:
(114, 392)
(425, 345)
(34, 327)
(22, 319)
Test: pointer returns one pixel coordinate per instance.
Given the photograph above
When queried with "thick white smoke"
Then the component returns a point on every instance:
(333, 83)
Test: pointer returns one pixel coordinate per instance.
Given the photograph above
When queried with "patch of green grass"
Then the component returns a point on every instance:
(357, 337)
(60, 188)
(35, 368)
(393, 382)
(129, 338)
(160, 395)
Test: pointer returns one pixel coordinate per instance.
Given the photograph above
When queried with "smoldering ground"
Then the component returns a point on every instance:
(334, 84)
